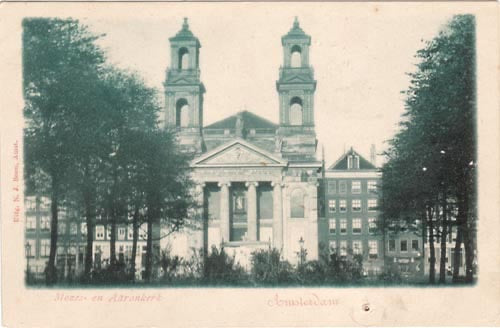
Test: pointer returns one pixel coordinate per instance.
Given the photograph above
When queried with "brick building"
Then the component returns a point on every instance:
(351, 210)
(72, 240)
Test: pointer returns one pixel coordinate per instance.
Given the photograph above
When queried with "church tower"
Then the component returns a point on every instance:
(184, 90)
(296, 87)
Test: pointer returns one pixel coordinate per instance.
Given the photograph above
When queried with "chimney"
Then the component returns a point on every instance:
(373, 155)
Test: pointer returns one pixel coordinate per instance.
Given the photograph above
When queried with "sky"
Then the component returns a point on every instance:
(360, 59)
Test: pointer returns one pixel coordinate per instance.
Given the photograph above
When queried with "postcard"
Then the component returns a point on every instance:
(250, 164)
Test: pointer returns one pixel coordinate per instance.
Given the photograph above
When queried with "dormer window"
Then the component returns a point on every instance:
(353, 162)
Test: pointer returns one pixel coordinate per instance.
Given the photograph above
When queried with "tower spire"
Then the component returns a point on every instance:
(184, 90)
(296, 86)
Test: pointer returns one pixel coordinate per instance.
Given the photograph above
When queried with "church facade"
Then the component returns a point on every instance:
(256, 181)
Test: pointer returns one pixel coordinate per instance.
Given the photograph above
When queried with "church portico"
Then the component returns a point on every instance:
(242, 211)
(265, 209)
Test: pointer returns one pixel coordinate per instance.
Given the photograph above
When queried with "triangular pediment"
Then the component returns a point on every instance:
(182, 80)
(238, 153)
(297, 79)
(342, 162)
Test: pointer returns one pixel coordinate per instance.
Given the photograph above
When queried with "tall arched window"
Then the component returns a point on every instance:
(183, 58)
(297, 204)
(182, 113)
(296, 57)
(296, 111)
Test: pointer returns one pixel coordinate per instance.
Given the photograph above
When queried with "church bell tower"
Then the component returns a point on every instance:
(296, 87)
(184, 90)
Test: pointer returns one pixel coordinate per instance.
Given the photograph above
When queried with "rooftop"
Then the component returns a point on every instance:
(248, 121)
(185, 33)
(342, 162)
(296, 32)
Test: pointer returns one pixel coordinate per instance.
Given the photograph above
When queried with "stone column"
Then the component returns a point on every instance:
(224, 211)
(199, 195)
(202, 225)
(277, 215)
(252, 210)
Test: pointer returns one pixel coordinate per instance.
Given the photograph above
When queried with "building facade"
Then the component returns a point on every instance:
(257, 180)
(72, 240)
(405, 254)
(351, 211)
(71, 235)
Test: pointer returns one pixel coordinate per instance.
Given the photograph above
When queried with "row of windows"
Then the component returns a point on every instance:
(46, 218)
(61, 226)
(403, 245)
(356, 227)
(100, 231)
(356, 205)
(30, 203)
(72, 229)
(121, 249)
(356, 247)
(356, 186)
(71, 250)
(44, 222)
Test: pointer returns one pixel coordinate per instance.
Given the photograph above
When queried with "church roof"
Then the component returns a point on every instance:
(185, 33)
(249, 121)
(238, 152)
(341, 163)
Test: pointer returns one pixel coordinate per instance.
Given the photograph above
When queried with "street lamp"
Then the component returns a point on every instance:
(301, 242)
(27, 248)
(302, 252)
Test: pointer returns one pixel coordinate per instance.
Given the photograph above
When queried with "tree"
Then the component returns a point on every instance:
(60, 62)
(268, 268)
(136, 109)
(167, 190)
(92, 135)
(430, 168)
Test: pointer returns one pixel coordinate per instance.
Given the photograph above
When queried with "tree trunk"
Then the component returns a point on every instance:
(432, 252)
(469, 255)
(469, 240)
(149, 249)
(112, 240)
(467, 231)
(457, 256)
(424, 241)
(113, 216)
(135, 236)
(89, 219)
(51, 273)
(444, 233)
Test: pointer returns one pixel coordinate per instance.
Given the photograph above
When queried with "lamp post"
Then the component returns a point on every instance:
(302, 252)
(27, 248)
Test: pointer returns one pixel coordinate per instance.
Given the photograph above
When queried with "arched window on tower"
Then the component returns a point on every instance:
(297, 204)
(183, 58)
(296, 57)
(296, 111)
(182, 113)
